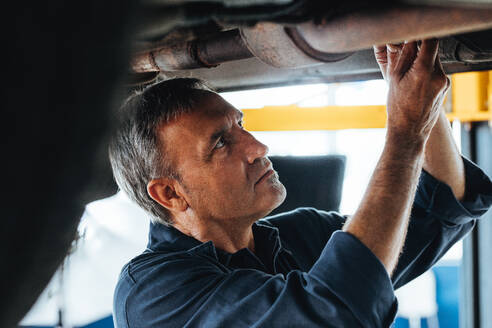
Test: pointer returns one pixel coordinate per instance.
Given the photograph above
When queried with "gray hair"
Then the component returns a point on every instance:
(136, 152)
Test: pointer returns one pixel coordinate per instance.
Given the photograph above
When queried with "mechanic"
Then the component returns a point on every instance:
(183, 155)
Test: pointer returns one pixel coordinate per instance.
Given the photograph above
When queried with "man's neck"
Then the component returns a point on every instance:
(228, 236)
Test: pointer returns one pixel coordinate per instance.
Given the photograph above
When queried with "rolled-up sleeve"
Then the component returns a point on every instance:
(439, 220)
(439, 202)
(363, 284)
(347, 287)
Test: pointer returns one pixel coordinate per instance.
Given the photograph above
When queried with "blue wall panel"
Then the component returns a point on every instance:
(447, 294)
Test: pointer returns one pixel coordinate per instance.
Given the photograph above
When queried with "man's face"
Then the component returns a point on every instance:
(224, 170)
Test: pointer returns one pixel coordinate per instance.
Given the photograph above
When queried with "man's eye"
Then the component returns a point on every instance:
(241, 123)
(221, 143)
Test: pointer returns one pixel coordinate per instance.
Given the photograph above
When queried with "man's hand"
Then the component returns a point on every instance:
(404, 67)
(417, 85)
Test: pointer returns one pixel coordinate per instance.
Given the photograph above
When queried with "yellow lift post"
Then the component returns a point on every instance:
(471, 97)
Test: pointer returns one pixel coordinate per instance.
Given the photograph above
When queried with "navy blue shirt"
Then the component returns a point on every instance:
(305, 271)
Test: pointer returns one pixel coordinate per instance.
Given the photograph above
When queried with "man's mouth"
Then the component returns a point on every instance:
(265, 175)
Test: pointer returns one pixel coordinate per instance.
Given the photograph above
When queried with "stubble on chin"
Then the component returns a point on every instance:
(278, 187)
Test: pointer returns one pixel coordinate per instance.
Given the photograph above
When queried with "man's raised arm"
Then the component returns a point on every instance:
(416, 87)
(442, 158)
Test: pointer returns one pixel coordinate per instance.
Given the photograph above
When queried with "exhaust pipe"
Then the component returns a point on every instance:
(363, 30)
(199, 53)
(309, 44)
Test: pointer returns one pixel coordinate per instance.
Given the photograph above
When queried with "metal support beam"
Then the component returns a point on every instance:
(295, 118)
(469, 305)
(285, 118)
(476, 272)
(483, 135)
(471, 98)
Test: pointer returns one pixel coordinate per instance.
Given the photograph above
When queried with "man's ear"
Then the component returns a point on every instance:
(166, 192)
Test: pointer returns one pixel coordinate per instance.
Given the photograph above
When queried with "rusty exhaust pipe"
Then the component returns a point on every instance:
(308, 44)
(362, 30)
(210, 52)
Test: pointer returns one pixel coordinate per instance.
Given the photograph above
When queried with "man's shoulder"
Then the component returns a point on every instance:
(169, 264)
(154, 281)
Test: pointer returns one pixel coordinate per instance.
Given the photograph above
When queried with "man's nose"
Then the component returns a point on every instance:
(254, 148)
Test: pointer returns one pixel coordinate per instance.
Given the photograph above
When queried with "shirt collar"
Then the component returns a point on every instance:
(169, 239)
(267, 244)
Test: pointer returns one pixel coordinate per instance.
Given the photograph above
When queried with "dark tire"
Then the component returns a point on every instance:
(64, 63)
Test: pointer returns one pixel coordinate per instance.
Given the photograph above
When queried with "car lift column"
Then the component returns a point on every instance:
(471, 99)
